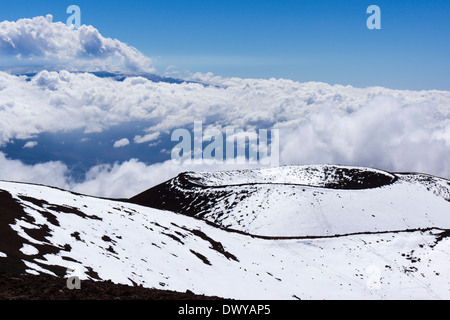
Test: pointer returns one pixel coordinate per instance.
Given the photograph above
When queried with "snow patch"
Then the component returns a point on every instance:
(29, 250)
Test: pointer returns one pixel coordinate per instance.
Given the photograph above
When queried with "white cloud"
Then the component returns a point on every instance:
(121, 143)
(49, 173)
(96, 104)
(30, 144)
(147, 138)
(383, 134)
(41, 42)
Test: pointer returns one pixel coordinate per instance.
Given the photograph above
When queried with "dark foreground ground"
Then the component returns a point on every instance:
(43, 287)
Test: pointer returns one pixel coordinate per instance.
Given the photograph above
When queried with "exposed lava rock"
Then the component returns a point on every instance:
(45, 287)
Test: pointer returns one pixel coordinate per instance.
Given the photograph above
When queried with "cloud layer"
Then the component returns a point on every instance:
(383, 134)
(39, 42)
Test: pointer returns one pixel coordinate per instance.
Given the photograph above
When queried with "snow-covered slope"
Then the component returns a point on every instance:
(307, 200)
(47, 230)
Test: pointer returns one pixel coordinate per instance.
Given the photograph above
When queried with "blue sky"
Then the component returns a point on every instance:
(316, 40)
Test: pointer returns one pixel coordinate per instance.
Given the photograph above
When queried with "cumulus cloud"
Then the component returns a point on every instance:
(121, 143)
(384, 134)
(93, 103)
(123, 180)
(52, 45)
(30, 144)
(147, 138)
(49, 173)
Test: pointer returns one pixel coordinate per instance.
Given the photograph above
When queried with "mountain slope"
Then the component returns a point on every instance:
(306, 200)
(49, 231)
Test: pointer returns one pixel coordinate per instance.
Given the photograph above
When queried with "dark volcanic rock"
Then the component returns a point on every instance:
(45, 287)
